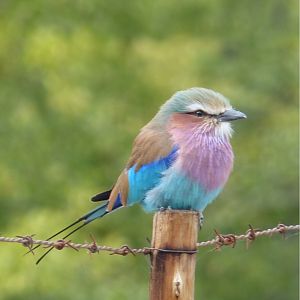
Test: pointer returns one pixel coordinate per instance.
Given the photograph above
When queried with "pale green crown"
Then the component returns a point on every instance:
(192, 99)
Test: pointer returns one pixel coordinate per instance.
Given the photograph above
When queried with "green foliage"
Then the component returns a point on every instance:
(78, 80)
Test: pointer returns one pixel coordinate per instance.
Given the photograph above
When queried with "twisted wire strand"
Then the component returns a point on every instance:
(217, 242)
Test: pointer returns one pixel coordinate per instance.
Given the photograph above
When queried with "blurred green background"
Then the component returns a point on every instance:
(77, 81)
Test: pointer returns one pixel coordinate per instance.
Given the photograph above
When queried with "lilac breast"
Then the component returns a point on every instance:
(203, 156)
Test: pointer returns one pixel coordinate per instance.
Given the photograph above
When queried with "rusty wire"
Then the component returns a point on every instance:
(217, 243)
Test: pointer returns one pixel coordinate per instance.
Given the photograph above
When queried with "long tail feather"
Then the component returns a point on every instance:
(98, 212)
(77, 228)
(56, 234)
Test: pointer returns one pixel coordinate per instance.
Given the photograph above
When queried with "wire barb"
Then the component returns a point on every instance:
(282, 229)
(27, 242)
(123, 250)
(93, 247)
(251, 235)
(224, 240)
(218, 242)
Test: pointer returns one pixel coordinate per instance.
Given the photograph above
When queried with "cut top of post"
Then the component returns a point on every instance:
(176, 230)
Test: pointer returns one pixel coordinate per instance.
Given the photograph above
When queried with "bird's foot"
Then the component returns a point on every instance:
(165, 208)
(201, 219)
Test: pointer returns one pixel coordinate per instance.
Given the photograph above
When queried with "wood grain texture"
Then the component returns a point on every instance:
(173, 274)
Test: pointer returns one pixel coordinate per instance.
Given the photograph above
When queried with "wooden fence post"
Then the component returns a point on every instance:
(173, 272)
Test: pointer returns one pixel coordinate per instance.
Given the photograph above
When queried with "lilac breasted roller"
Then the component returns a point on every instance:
(180, 160)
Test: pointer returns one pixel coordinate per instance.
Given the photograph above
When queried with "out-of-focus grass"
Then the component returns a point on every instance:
(77, 81)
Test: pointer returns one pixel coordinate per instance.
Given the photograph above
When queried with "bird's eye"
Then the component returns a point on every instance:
(200, 113)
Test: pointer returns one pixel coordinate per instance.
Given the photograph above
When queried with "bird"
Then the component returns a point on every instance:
(180, 160)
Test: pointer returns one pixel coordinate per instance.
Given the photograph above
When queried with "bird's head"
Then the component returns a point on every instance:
(206, 109)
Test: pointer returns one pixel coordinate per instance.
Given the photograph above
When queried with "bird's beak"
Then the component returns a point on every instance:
(231, 115)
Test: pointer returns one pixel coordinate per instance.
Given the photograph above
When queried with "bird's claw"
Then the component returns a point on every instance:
(165, 208)
(201, 219)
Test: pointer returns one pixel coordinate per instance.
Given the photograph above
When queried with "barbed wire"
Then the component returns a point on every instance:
(218, 242)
